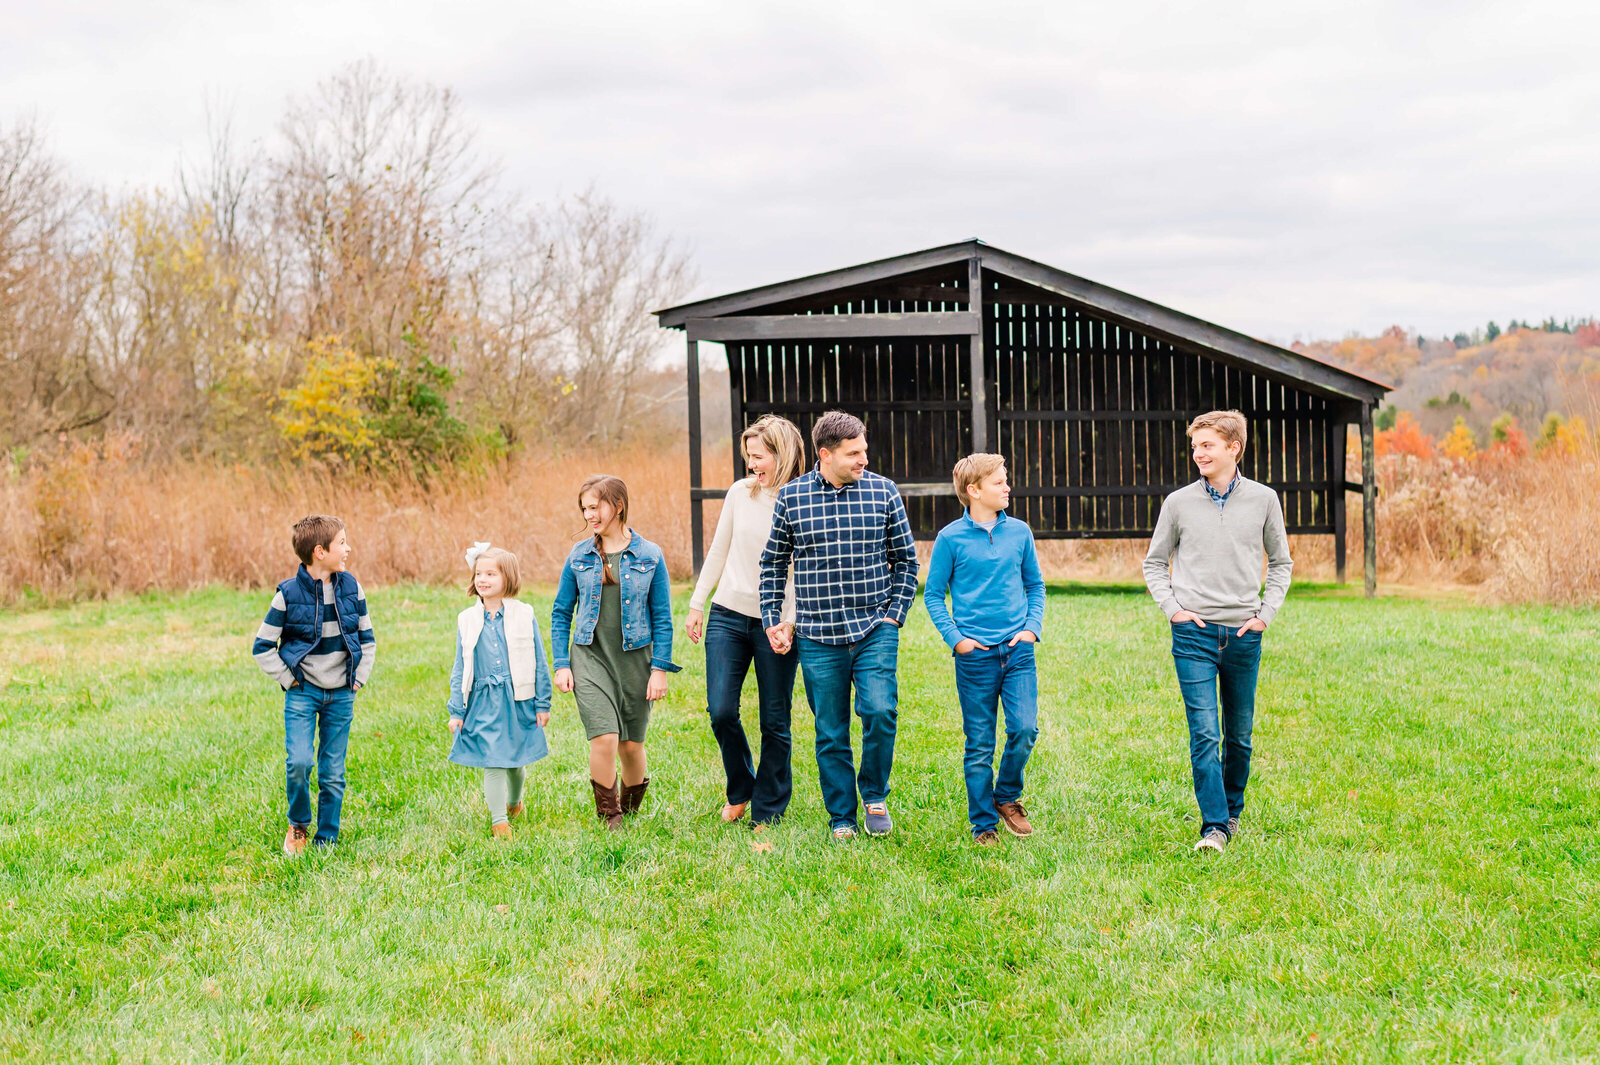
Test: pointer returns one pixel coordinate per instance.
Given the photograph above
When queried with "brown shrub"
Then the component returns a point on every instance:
(99, 520)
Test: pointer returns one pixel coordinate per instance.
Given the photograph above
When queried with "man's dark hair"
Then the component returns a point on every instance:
(834, 428)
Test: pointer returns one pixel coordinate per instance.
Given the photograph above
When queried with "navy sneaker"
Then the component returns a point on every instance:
(878, 823)
(844, 833)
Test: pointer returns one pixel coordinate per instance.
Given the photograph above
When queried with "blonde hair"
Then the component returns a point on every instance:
(972, 470)
(507, 562)
(783, 441)
(1228, 424)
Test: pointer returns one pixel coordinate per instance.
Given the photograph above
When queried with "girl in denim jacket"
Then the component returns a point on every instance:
(612, 633)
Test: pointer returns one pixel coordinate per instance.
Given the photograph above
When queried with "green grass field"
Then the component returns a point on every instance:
(1418, 881)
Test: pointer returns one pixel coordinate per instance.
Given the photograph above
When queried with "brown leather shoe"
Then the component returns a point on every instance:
(501, 830)
(1015, 818)
(733, 811)
(294, 841)
(987, 838)
(607, 803)
(515, 811)
(633, 795)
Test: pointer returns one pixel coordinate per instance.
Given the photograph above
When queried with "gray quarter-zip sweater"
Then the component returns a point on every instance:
(1207, 559)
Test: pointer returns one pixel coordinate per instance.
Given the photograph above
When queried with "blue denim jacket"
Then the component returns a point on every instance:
(646, 602)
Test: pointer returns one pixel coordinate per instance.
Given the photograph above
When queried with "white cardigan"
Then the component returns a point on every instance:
(733, 565)
(521, 647)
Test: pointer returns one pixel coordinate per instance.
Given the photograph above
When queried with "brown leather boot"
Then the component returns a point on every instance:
(633, 795)
(501, 830)
(514, 811)
(607, 803)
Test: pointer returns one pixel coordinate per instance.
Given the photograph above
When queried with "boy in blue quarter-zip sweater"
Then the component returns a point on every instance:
(317, 643)
(987, 563)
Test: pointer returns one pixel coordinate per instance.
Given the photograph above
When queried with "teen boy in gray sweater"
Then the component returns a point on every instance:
(1204, 568)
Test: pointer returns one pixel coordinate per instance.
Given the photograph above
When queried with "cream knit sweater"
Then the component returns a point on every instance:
(733, 565)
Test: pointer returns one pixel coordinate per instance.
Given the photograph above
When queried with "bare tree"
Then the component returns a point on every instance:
(610, 271)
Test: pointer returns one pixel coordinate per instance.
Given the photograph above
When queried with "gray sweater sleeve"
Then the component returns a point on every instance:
(1279, 564)
(1158, 560)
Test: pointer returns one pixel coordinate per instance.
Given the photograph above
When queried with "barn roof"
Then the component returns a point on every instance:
(1040, 279)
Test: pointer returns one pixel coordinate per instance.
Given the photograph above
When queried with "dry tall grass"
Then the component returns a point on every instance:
(99, 522)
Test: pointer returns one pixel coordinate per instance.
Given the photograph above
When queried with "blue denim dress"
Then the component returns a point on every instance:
(499, 732)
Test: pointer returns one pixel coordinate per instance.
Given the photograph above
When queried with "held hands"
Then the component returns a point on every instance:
(781, 637)
(657, 688)
(562, 680)
(694, 626)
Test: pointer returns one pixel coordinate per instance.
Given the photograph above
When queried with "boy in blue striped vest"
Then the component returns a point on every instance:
(316, 642)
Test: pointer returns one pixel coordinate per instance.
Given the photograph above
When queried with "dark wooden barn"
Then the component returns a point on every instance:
(1085, 390)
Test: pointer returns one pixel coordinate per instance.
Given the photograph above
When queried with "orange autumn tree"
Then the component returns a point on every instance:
(1406, 438)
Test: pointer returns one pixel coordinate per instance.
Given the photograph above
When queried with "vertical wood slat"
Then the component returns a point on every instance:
(980, 394)
(697, 520)
(1336, 460)
(1369, 503)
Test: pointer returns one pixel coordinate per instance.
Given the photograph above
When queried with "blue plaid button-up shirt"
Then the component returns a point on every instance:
(855, 562)
(1221, 498)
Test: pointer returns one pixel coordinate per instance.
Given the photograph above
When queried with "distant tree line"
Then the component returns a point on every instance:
(360, 290)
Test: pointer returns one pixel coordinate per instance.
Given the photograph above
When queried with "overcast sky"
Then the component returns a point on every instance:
(1289, 170)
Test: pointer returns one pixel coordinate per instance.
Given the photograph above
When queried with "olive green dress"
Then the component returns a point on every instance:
(608, 682)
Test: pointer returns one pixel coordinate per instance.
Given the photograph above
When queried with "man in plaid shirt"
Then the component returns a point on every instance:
(855, 577)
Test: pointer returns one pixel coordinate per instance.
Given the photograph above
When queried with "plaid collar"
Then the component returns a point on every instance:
(1217, 497)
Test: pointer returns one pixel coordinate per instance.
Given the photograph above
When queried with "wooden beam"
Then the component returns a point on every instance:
(1369, 501)
(815, 284)
(833, 326)
(1336, 461)
(1184, 416)
(697, 516)
(980, 391)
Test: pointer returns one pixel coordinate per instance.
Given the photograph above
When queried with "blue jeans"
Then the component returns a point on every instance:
(1207, 659)
(307, 707)
(735, 642)
(987, 680)
(831, 670)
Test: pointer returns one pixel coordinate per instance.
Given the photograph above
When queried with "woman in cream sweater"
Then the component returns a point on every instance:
(774, 453)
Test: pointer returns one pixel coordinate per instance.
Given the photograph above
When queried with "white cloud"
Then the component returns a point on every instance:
(1283, 169)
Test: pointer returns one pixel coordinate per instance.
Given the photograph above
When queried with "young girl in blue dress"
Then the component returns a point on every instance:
(500, 686)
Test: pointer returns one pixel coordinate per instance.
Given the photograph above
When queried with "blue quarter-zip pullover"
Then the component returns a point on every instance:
(993, 578)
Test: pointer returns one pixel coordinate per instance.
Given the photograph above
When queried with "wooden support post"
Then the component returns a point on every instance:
(1369, 500)
(1336, 461)
(697, 514)
(980, 399)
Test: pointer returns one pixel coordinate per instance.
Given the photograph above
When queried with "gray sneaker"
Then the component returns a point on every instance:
(1233, 827)
(878, 823)
(1214, 840)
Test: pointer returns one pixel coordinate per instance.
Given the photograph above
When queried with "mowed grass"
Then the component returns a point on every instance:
(1418, 881)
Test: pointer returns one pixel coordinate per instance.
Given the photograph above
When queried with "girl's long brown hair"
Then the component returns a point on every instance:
(607, 489)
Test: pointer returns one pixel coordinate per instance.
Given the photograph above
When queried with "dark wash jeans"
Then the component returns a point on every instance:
(831, 670)
(986, 681)
(735, 642)
(1208, 659)
(306, 710)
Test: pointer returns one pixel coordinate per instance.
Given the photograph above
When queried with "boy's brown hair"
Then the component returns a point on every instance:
(508, 572)
(972, 470)
(1228, 424)
(314, 531)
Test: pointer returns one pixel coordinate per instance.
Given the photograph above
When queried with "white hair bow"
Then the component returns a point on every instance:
(474, 552)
